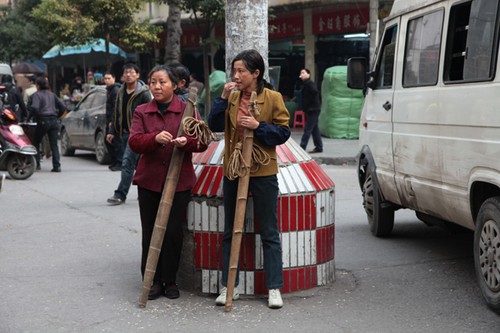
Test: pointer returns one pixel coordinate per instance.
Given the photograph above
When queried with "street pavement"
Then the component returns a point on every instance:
(70, 263)
(335, 151)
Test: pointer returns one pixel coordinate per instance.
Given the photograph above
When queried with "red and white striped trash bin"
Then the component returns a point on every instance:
(306, 216)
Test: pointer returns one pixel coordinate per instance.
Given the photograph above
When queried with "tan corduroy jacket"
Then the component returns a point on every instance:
(272, 110)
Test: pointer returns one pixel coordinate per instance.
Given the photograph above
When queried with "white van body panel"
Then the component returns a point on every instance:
(436, 140)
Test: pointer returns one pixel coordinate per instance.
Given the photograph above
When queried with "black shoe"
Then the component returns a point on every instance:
(316, 150)
(172, 291)
(155, 291)
(38, 168)
(56, 170)
(115, 200)
(115, 167)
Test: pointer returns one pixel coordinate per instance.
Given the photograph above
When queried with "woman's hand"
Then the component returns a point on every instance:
(248, 122)
(180, 141)
(163, 137)
(228, 87)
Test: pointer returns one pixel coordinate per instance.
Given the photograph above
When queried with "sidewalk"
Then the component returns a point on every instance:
(335, 151)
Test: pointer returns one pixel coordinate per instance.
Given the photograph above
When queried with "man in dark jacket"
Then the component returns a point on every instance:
(130, 95)
(115, 147)
(46, 108)
(312, 106)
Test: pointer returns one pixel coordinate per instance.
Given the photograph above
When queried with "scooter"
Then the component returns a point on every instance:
(17, 154)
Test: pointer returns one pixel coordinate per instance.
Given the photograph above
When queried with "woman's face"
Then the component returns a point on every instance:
(161, 87)
(245, 81)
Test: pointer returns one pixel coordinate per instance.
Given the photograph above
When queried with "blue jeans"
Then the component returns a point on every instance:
(265, 197)
(129, 163)
(312, 128)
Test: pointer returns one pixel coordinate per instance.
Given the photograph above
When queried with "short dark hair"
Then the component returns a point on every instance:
(307, 70)
(166, 69)
(181, 71)
(42, 83)
(130, 65)
(109, 73)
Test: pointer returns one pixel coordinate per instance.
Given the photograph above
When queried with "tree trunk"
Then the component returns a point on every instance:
(246, 28)
(206, 75)
(174, 32)
(374, 27)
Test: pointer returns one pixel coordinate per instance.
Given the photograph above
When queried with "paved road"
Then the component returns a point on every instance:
(70, 263)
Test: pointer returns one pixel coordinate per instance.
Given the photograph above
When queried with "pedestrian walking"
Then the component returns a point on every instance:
(312, 106)
(153, 135)
(130, 95)
(115, 147)
(230, 114)
(46, 108)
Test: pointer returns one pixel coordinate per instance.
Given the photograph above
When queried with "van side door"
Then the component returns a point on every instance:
(376, 118)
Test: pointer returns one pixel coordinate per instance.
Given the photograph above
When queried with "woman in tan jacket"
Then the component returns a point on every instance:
(230, 114)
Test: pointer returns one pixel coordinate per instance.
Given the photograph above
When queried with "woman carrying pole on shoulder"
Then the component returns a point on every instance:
(230, 114)
(153, 135)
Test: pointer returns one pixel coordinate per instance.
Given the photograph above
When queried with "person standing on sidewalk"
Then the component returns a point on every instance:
(230, 114)
(115, 146)
(46, 108)
(130, 95)
(312, 106)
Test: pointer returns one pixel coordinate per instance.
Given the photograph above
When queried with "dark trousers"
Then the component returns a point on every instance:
(265, 193)
(312, 128)
(168, 263)
(48, 126)
(115, 150)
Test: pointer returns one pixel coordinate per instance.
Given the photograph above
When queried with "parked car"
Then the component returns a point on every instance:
(85, 127)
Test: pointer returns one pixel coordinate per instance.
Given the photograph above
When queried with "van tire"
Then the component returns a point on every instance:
(380, 215)
(487, 252)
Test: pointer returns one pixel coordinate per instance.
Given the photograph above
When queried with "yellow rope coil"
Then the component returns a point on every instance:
(237, 166)
(198, 129)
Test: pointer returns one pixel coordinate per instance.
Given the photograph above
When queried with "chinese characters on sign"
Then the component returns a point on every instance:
(340, 21)
(286, 26)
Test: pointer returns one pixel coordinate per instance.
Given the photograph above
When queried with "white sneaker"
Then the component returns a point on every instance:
(221, 299)
(275, 301)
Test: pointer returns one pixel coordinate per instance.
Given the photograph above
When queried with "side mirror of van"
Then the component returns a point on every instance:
(356, 73)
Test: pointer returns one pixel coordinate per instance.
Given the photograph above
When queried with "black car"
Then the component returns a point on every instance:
(85, 127)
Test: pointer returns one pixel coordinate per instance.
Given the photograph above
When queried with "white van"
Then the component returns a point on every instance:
(430, 125)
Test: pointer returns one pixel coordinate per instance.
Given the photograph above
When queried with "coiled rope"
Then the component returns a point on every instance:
(237, 166)
(197, 128)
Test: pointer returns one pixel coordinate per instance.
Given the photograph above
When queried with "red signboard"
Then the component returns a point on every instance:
(331, 21)
(286, 25)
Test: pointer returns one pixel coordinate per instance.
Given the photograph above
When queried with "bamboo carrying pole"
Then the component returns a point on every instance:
(241, 205)
(163, 214)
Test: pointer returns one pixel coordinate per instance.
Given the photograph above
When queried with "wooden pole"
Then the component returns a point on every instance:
(163, 214)
(241, 206)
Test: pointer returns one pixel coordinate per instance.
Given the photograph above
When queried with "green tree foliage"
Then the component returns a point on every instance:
(21, 39)
(78, 21)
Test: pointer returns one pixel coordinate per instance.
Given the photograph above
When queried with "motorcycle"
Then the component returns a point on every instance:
(17, 154)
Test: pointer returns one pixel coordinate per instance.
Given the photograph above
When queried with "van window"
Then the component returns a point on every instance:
(472, 41)
(385, 66)
(423, 40)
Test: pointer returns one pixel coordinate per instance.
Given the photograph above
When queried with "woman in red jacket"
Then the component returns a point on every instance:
(153, 135)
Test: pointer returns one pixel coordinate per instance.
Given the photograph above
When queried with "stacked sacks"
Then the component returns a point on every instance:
(340, 107)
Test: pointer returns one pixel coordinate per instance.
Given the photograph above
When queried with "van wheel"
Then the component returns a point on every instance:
(487, 252)
(380, 215)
